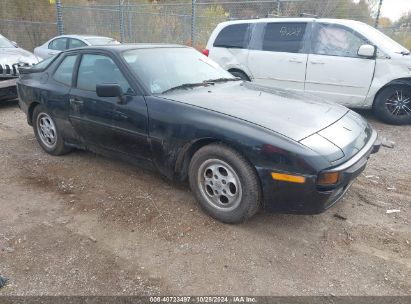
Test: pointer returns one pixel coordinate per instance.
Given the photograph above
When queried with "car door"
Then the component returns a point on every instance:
(278, 54)
(55, 46)
(334, 70)
(103, 122)
(58, 87)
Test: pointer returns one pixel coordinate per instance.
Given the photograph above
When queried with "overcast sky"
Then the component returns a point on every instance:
(394, 9)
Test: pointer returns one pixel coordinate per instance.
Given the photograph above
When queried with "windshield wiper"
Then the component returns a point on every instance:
(222, 80)
(200, 84)
(185, 86)
(404, 53)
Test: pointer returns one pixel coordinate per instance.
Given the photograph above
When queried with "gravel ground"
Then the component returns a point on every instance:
(82, 224)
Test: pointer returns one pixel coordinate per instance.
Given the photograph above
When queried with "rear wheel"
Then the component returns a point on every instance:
(240, 74)
(393, 105)
(224, 183)
(47, 133)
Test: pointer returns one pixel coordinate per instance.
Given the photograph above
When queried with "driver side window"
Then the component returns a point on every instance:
(336, 40)
(100, 69)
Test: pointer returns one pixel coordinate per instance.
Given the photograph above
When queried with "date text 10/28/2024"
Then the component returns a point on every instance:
(203, 299)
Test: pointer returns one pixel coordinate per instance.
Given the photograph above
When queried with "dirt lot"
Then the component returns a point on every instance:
(86, 225)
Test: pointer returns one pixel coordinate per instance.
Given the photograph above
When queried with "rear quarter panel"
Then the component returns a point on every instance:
(228, 58)
(40, 88)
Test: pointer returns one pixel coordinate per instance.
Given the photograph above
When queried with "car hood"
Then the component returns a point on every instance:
(11, 56)
(294, 115)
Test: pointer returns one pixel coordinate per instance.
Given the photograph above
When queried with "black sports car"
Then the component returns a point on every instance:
(241, 146)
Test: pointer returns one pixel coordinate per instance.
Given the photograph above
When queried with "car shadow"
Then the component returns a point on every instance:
(9, 103)
(366, 113)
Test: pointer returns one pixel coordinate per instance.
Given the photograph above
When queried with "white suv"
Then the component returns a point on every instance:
(344, 61)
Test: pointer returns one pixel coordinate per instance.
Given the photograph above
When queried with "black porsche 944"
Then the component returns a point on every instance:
(242, 147)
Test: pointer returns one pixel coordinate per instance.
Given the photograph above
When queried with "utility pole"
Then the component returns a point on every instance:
(377, 18)
(60, 25)
(193, 22)
(278, 8)
(121, 19)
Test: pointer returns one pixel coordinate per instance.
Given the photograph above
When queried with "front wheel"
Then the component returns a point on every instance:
(224, 183)
(393, 105)
(47, 133)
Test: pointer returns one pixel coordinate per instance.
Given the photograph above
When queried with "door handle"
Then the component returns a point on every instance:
(120, 115)
(296, 60)
(76, 101)
(316, 62)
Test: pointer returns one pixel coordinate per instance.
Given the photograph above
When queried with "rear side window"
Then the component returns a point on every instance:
(59, 44)
(284, 37)
(44, 63)
(233, 36)
(75, 43)
(64, 72)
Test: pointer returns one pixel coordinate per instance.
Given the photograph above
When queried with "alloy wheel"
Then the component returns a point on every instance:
(398, 104)
(46, 130)
(219, 184)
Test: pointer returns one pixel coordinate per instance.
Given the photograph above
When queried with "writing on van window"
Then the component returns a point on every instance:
(291, 31)
(284, 37)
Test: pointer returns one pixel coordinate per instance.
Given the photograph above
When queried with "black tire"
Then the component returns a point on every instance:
(242, 186)
(390, 107)
(53, 147)
(240, 74)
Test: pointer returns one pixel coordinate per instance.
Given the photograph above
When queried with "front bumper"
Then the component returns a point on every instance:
(308, 198)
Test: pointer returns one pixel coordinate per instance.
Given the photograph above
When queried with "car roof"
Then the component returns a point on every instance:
(296, 19)
(80, 36)
(119, 48)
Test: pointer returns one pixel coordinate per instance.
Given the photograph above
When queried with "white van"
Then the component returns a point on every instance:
(344, 61)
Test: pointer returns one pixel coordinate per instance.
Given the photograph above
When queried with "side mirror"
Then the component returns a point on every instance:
(366, 50)
(110, 90)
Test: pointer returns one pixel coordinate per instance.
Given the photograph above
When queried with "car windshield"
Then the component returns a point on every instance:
(165, 69)
(5, 43)
(380, 38)
(101, 41)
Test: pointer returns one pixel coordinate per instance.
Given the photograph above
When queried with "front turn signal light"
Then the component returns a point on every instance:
(288, 178)
(328, 178)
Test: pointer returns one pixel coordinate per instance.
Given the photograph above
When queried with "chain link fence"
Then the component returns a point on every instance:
(32, 22)
(29, 23)
(190, 22)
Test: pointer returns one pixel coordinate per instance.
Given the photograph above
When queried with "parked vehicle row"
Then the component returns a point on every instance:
(11, 58)
(242, 146)
(66, 42)
(344, 61)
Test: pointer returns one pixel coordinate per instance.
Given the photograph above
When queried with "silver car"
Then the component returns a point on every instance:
(11, 58)
(66, 42)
